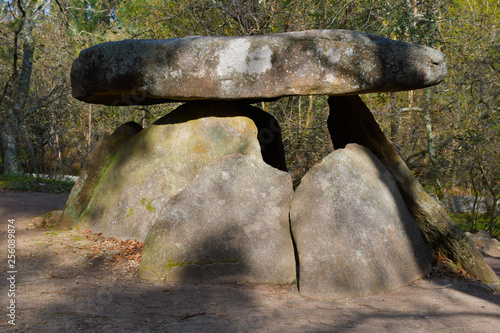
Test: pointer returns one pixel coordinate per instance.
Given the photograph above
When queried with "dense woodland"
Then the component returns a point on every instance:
(449, 135)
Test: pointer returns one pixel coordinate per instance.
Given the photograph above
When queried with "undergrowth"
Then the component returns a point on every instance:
(474, 224)
(32, 184)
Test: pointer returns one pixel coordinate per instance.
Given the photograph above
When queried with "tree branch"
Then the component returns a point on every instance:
(20, 6)
(56, 93)
(39, 11)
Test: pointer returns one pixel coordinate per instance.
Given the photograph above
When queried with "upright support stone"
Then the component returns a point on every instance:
(94, 167)
(353, 233)
(160, 161)
(229, 225)
(269, 131)
(351, 121)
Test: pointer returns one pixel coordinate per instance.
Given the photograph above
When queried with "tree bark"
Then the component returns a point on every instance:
(16, 102)
(430, 144)
(351, 121)
(395, 119)
(9, 143)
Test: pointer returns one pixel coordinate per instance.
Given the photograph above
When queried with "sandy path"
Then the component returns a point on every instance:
(61, 288)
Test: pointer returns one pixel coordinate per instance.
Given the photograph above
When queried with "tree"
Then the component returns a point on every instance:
(471, 139)
(15, 92)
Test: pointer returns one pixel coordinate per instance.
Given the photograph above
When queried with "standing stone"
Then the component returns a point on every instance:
(351, 121)
(353, 232)
(94, 167)
(269, 131)
(230, 224)
(159, 162)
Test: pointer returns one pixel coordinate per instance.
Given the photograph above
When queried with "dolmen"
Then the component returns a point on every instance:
(206, 186)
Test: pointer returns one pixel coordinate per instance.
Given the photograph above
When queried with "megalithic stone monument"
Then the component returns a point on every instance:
(214, 75)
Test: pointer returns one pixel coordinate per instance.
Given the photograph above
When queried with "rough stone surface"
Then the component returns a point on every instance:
(269, 131)
(324, 62)
(469, 204)
(351, 121)
(92, 171)
(480, 238)
(353, 232)
(230, 224)
(159, 162)
(492, 248)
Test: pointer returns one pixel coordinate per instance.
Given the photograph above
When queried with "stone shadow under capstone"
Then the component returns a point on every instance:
(269, 131)
(233, 268)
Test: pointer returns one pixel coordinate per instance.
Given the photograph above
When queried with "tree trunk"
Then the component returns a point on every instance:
(351, 121)
(17, 100)
(430, 145)
(9, 143)
(395, 119)
(89, 141)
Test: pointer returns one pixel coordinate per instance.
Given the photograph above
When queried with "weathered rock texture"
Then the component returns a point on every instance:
(159, 162)
(130, 189)
(469, 204)
(230, 224)
(353, 232)
(327, 62)
(269, 131)
(350, 121)
(94, 167)
(479, 239)
(492, 248)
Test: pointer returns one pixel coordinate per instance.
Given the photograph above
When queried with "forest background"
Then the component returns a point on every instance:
(449, 135)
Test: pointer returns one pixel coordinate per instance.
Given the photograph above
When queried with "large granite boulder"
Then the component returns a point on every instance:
(320, 62)
(94, 167)
(353, 232)
(230, 224)
(160, 161)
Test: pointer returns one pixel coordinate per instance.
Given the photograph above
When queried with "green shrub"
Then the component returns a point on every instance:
(28, 183)
(467, 222)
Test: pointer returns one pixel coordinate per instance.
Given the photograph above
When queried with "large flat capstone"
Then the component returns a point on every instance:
(315, 62)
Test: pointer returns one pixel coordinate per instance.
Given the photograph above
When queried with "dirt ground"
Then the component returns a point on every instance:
(71, 281)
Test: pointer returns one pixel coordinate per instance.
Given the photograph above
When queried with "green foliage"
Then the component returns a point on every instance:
(476, 222)
(28, 183)
(91, 15)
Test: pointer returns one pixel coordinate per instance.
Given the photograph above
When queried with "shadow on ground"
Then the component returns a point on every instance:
(60, 289)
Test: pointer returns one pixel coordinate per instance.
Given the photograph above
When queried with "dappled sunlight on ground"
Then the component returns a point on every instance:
(78, 281)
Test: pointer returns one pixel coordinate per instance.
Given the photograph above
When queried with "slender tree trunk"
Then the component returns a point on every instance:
(430, 144)
(395, 120)
(17, 100)
(9, 143)
(89, 147)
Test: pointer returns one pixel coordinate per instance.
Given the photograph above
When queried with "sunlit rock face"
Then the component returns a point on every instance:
(354, 234)
(315, 62)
